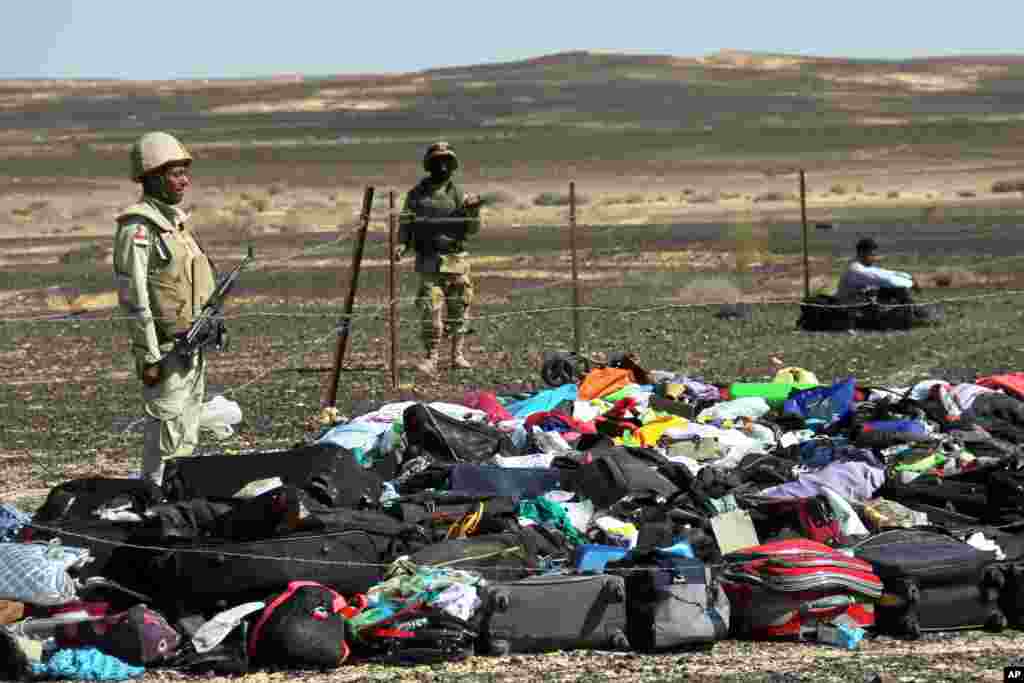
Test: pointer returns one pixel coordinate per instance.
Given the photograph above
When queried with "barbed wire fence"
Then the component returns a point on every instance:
(528, 330)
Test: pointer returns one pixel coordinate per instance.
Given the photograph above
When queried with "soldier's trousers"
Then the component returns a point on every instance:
(437, 292)
(173, 406)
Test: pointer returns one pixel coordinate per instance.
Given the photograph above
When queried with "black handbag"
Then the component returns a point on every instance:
(431, 433)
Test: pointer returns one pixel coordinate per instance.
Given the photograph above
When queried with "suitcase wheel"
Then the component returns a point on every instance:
(501, 602)
(498, 648)
(620, 641)
(910, 627)
(996, 622)
(993, 578)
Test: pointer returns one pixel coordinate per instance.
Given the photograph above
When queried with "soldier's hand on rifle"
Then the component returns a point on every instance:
(471, 201)
(151, 374)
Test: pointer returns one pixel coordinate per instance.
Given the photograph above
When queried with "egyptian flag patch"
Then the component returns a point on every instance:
(141, 237)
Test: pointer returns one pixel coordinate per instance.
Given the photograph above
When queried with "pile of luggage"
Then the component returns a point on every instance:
(621, 510)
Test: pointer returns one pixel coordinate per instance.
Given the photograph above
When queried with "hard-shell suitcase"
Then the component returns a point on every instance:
(672, 603)
(326, 471)
(933, 582)
(759, 613)
(801, 566)
(555, 612)
(786, 588)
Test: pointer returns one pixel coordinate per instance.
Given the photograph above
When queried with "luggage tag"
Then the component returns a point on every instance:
(734, 530)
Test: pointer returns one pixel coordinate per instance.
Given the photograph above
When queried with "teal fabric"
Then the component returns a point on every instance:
(550, 513)
(543, 401)
(88, 664)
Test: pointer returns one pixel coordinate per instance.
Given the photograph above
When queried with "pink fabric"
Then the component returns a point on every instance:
(487, 402)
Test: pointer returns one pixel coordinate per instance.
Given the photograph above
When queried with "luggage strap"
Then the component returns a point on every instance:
(468, 524)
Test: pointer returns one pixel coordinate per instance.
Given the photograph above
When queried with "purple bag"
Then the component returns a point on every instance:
(139, 636)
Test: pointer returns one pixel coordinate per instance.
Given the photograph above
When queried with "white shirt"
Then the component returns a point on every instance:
(859, 277)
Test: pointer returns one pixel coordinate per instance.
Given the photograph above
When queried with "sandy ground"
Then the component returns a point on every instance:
(625, 196)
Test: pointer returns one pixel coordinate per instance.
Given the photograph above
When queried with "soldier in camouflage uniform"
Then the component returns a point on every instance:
(437, 218)
(163, 279)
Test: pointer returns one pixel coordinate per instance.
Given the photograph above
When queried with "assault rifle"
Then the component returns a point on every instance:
(208, 330)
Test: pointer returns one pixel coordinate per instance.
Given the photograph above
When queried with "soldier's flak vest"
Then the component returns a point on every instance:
(180, 278)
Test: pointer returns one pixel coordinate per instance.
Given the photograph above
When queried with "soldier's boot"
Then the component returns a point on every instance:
(459, 359)
(428, 366)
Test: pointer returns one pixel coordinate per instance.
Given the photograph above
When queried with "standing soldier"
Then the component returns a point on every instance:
(436, 221)
(163, 280)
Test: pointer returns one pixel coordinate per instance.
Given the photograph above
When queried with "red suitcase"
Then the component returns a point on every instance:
(786, 588)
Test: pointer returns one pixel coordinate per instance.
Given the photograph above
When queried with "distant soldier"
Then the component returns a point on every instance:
(436, 220)
(163, 280)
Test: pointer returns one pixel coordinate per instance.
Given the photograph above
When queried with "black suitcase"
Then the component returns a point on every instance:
(1010, 540)
(556, 612)
(84, 499)
(349, 552)
(440, 512)
(964, 497)
(328, 472)
(506, 556)
(101, 537)
(932, 582)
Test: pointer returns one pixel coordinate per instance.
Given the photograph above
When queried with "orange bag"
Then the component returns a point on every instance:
(603, 381)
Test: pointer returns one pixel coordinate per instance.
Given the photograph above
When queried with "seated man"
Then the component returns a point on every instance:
(862, 275)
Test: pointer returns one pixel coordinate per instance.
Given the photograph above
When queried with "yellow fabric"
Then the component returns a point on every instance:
(650, 433)
(795, 376)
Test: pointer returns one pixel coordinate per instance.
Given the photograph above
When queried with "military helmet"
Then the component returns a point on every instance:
(155, 150)
(440, 149)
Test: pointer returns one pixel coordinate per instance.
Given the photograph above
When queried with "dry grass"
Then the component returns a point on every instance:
(712, 289)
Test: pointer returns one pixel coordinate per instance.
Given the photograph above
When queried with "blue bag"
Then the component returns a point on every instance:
(823, 406)
(592, 557)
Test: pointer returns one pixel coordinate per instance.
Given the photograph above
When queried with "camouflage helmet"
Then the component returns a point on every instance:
(155, 150)
(440, 149)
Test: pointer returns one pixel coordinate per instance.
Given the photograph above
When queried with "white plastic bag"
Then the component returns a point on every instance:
(218, 415)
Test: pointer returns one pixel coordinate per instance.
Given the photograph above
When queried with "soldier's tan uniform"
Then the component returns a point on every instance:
(163, 280)
(436, 223)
